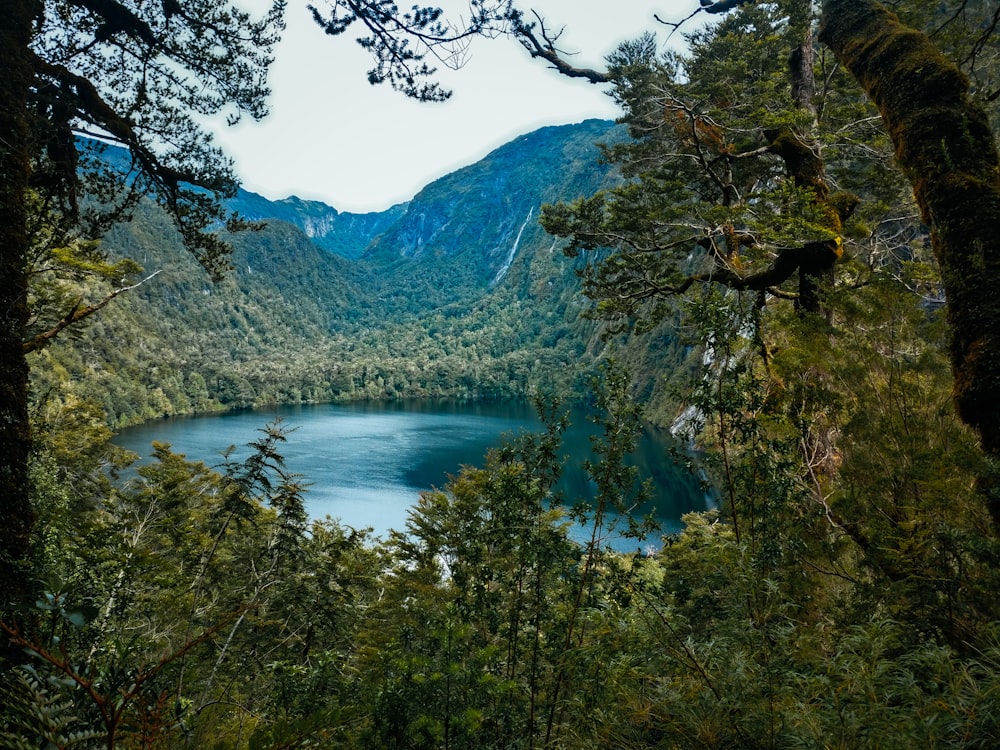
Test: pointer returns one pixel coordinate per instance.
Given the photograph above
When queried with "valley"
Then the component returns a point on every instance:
(458, 293)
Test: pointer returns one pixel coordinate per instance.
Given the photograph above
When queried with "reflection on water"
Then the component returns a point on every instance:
(366, 463)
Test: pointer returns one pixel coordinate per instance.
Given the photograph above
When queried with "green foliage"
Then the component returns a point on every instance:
(842, 595)
(153, 604)
(731, 180)
(478, 578)
(171, 65)
(202, 598)
(37, 716)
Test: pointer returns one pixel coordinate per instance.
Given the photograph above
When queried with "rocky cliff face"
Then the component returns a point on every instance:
(343, 233)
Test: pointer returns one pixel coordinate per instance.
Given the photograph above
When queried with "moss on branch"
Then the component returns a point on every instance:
(946, 148)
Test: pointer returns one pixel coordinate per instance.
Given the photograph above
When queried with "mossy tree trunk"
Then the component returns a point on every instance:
(946, 148)
(16, 516)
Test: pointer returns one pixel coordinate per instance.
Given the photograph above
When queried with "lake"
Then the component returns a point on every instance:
(366, 463)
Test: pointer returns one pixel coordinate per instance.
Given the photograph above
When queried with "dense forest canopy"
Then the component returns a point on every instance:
(810, 199)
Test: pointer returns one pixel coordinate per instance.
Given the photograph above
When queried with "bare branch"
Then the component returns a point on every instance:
(76, 314)
(675, 26)
(545, 48)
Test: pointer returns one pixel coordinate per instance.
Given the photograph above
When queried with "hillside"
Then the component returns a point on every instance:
(456, 293)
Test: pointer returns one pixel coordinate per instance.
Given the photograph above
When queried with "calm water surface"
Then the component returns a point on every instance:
(367, 463)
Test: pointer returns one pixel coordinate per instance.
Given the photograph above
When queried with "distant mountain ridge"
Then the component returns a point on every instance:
(503, 188)
(343, 233)
(463, 233)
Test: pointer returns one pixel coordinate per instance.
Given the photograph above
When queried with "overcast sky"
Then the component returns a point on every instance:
(333, 137)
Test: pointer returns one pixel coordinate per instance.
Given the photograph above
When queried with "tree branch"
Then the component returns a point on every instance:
(90, 107)
(788, 261)
(545, 48)
(723, 6)
(117, 18)
(75, 315)
(676, 25)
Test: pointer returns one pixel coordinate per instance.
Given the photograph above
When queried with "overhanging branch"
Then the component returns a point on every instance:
(545, 48)
(117, 19)
(76, 314)
(723, 6)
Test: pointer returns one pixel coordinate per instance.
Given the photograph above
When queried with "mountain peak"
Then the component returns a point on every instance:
(481, 210)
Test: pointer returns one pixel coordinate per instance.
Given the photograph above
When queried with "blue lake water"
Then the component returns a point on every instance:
(367, 463)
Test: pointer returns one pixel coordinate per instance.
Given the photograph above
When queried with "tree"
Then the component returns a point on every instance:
(943, 141)
(948, 151)
(734, 176)
(130, 75)
(730, 182)
(400, 42)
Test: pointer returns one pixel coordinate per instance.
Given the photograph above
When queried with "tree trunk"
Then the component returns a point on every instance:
(946, 148)
(805, 164)
(16, 516)
(802, 58)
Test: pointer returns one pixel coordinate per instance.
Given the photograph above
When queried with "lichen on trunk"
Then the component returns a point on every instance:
(945, 146)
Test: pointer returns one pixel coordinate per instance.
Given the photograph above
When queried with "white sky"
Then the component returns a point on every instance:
(333, 137)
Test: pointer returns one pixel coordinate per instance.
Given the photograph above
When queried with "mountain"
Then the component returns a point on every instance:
(478, 213)
(343, 233)
(474, 221)
(456, 293)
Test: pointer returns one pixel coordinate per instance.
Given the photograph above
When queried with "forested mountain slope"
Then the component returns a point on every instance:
(470, 226)
(458, 292)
